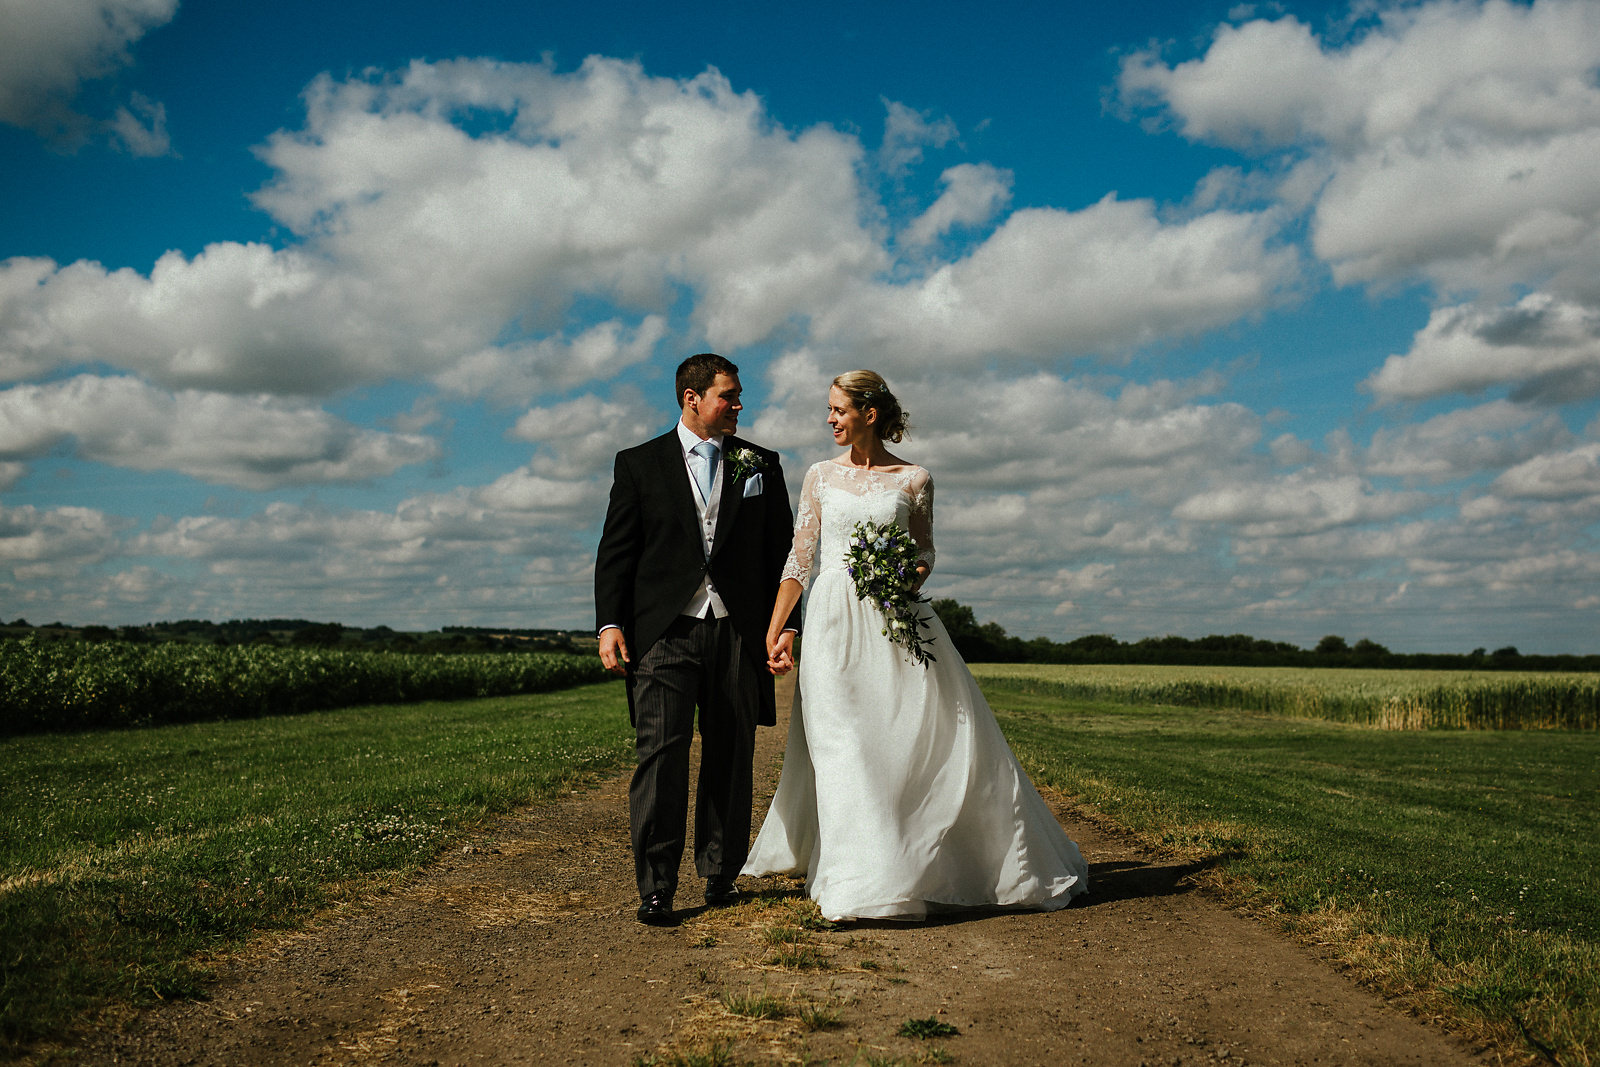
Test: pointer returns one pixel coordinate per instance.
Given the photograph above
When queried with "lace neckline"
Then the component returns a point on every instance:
(895, 472)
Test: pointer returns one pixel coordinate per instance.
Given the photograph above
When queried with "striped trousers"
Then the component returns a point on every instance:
(697, 664)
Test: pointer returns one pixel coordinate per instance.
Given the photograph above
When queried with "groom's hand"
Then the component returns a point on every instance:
(614, 651)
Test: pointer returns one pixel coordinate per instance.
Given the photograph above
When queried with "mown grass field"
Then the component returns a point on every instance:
(1456, 869)
(129, 856)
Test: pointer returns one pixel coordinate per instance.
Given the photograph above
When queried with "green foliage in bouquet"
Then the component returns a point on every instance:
(882, 561)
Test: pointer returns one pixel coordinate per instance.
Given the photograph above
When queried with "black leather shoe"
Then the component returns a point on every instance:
(721, 892)
(656, 910)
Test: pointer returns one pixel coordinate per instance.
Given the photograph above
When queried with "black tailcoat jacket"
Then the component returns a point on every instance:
(652, 557)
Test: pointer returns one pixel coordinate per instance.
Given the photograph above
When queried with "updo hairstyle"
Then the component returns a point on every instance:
(867, 389)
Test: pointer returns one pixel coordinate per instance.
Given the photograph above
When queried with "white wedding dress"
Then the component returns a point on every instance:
(899, 795)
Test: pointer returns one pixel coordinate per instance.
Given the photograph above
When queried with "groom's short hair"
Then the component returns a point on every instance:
(700, 373)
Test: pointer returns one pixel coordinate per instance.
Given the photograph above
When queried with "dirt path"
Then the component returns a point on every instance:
(521, 948)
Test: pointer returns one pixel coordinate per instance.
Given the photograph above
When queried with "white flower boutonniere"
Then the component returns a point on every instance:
(742, 463)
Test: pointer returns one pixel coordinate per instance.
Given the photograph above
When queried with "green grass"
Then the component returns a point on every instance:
(750, 1004)
(1459, 869)
(1390, 699)
(926, 1028)
(793, 957)
(818, 1016)
(783, 935)
(128, 856)
(718, 1054)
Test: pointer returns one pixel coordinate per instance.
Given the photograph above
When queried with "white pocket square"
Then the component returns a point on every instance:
(752, 485)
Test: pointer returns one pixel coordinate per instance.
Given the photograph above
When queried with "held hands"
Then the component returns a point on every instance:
(614, 651)
(780, 653)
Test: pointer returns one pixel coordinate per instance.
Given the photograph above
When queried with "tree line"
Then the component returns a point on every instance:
(306, 633)
(978, 643)
(989, 643)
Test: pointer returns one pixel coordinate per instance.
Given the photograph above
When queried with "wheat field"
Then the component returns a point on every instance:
(1386, 699)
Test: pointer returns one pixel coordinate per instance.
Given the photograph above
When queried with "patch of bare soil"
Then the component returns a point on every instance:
(521, 947)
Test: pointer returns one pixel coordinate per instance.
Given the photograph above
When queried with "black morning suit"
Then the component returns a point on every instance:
(650, 563)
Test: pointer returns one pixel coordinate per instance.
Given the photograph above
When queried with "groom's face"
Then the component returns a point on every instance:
(716, 414)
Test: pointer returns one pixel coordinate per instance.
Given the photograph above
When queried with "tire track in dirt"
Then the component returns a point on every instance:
(520, 947)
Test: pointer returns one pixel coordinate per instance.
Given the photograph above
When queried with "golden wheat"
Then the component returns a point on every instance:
(1387, 699)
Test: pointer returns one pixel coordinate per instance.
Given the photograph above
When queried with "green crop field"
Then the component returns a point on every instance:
(1458, 870)
(78, 685)
(1390, 699)
(127, 855)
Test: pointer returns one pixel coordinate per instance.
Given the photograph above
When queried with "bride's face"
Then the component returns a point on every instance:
(850, 426)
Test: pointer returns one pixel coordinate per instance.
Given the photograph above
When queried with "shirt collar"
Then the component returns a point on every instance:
(687, 438)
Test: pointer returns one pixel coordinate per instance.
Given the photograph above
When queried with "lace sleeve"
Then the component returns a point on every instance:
(802, 561)
(922, 517)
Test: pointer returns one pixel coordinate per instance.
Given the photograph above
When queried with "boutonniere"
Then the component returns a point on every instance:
(742, 462)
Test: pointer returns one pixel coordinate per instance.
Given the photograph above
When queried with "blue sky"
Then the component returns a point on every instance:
(1280, 319)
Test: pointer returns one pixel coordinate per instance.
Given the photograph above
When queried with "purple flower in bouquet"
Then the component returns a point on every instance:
(882, 561)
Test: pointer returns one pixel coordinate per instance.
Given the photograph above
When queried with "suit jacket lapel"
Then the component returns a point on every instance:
(669, 459)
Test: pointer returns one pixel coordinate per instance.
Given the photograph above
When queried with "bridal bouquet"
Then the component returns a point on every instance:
(882, 560)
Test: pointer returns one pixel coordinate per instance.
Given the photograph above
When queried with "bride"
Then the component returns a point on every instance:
(899, 795)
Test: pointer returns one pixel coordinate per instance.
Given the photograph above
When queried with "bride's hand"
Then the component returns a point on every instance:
(780, 653)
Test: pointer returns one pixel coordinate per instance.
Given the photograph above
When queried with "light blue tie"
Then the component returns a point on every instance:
(705, 471)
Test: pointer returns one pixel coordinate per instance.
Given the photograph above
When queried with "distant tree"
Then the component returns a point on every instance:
(445, 642)
(1478, 653)
(97, 634)
(325, 634)
(21, 623)
(1169, 643)
(1332, 644)
(1364, 647)
(1002, 646)
(1091, 643)
(135, 634)
(1509, 652)
(974, 642)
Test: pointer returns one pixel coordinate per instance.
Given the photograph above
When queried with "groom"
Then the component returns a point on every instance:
(695, 538)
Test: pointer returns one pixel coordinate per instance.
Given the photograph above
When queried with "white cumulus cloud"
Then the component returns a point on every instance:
(1049, 283)
(973, 193)
(1464, 443)
(519, 372)
(607, 183)
(906, 132)
(254, 442)
(49, 542)
(1455, 139)
(49, 48)
(1557, 475)
(1549, 348)
(1298, 503)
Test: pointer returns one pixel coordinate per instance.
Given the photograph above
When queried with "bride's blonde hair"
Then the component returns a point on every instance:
(867, 389)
